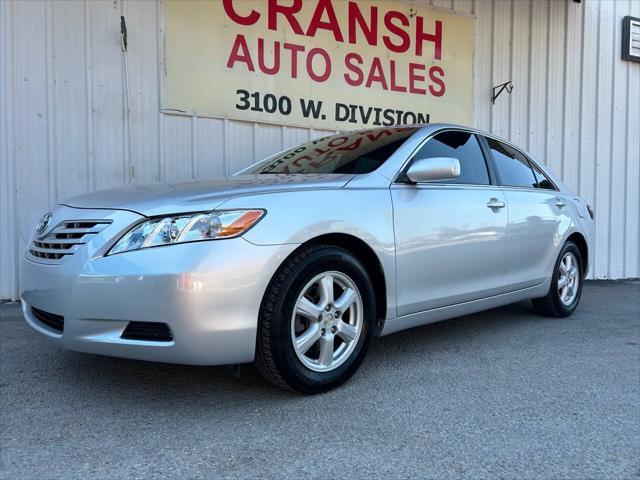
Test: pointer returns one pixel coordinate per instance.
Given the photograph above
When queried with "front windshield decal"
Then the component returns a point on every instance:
(350, 152)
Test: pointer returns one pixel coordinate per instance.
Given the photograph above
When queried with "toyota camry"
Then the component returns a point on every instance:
(297, 262)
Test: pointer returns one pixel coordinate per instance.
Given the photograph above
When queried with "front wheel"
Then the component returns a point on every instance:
(316, 320)
(566, 284)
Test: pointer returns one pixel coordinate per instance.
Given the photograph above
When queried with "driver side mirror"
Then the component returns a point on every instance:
(437, 168)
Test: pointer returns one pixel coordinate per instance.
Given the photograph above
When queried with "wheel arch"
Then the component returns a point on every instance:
(363, 252)
(581, 243)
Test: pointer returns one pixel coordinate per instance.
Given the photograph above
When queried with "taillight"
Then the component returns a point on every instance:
(591, 212)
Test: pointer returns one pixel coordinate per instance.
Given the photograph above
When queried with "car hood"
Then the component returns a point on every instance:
(161, 198)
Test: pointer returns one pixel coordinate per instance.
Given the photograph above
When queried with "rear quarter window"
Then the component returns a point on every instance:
(543, 181)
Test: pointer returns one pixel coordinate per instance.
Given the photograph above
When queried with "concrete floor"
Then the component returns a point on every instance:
(505, 393)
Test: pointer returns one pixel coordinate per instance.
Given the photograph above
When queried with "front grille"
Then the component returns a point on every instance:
(65, 238)
(51, 320)
(152, 331)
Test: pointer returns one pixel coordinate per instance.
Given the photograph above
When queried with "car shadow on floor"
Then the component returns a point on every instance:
(132, 378)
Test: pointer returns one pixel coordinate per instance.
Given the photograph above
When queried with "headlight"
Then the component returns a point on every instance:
(187, 228)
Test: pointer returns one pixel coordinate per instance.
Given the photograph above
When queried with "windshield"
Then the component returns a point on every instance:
(351, 152)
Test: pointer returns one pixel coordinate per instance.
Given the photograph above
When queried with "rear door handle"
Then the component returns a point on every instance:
(495, 203)
(559, 203)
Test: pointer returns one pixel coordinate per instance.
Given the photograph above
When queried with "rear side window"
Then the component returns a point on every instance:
(463, 146)
(513, 167)
(542, 179)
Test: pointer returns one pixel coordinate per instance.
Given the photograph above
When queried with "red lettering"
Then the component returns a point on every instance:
(376, 74)
(401, 33)
(369, 31)
(416, 77)
(436, 38)
(394, 86)
(331, 25)
(240, 53)
(350, 60)
(297, 161)
(250, 19)
(436, 92)
(289, 12)
(276, 58)
(341, 140)
(374, 136)
(295, 49)
(352, 146)
(330, 157)
(320, 152)
(327, 65)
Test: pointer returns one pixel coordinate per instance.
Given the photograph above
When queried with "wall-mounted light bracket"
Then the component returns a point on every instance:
(123, 34)
(498, 89)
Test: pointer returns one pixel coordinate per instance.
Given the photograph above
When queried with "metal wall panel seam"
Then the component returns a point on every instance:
(530, 62)
(603, 144)
(616, 195)
(227, 162)
(162, 167)
(511, 70)
(632, 215)
(538, 87)
(52, 159)
(563, 119)
(546, 85)
(581, 99)
(193, 146)
(159, 72)
(88, 77)
(255, 129)
(625, 76)
(595, 138)
(125, 161)
(9, 253)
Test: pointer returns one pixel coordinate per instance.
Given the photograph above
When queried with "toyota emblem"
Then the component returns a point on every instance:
(43, 223)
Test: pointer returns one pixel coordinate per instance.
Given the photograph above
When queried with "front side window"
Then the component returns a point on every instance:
(513, 167)
(352, 152)
(463, 146)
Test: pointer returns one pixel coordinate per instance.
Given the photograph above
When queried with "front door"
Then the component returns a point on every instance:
(450, 234)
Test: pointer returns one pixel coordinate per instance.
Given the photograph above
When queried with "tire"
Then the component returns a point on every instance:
(555, 304)
(303, 283)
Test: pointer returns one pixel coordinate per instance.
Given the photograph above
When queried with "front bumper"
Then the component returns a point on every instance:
(208, 293)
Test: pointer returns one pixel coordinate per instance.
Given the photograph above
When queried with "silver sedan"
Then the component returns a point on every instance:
(299, 261)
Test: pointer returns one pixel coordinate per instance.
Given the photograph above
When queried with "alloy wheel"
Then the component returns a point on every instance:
(327, 321)
(568, 278)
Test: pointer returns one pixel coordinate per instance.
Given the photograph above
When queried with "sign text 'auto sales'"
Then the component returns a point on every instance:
(326, 64)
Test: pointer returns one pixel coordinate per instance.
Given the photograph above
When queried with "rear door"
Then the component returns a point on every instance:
(450, 234)
(537, 216)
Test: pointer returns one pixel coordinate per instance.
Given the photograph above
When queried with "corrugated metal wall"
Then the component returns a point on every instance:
(63, 125)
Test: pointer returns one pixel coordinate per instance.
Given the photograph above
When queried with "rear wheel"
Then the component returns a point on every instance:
(315, 320)
(566, 284)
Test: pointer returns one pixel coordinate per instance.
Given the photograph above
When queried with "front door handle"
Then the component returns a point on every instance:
(559, 203)
(495, 203)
